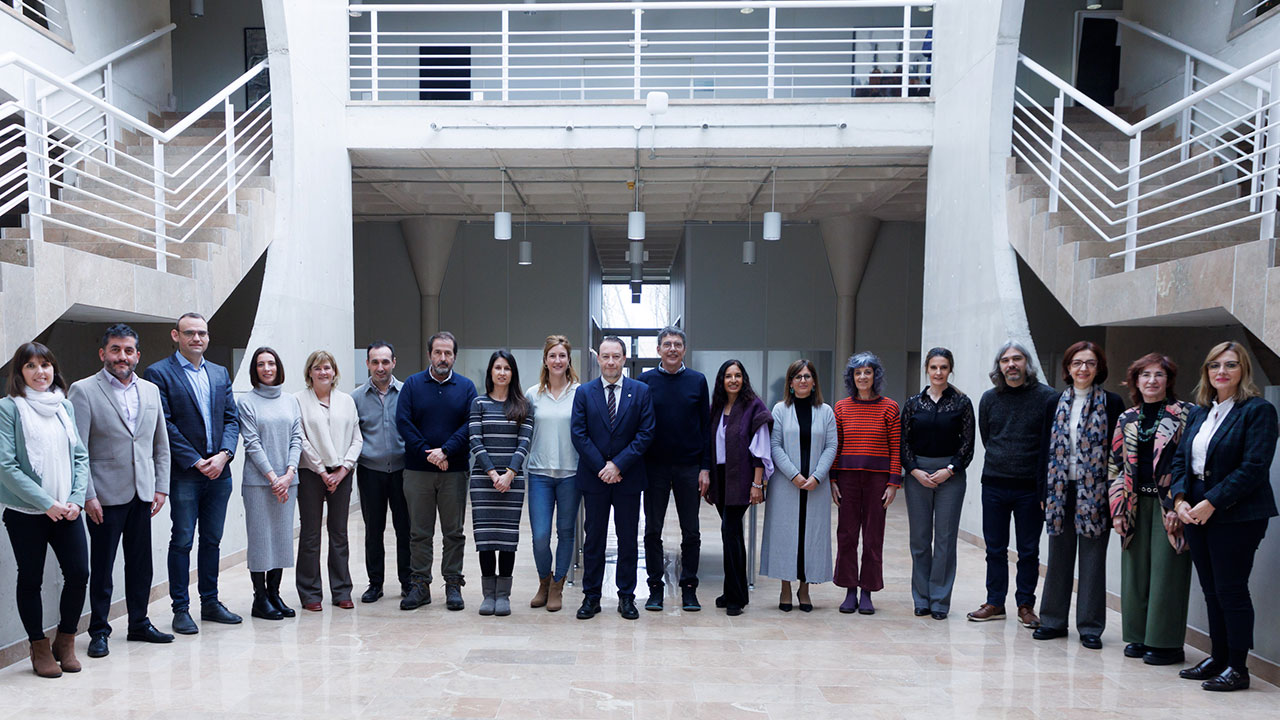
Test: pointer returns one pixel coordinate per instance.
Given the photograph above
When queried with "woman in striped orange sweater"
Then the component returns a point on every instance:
(868, 474)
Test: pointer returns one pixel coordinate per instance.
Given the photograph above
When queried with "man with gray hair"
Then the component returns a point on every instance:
(1011, 423)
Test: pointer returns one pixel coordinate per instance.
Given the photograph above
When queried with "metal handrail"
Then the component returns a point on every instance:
(1186, 49)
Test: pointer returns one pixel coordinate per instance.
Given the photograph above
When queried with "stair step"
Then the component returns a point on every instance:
(15, 250)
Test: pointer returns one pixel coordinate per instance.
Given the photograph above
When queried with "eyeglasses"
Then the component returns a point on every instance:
(195, 333)
(1077, 364)
(1152, 376)
(671, 345)
(1230, 365)
(803, 377)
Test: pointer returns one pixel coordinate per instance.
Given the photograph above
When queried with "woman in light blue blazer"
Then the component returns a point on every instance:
(797, 520)
(44, 470)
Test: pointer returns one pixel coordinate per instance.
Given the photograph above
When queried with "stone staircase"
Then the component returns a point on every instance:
(1220, 276)
(75, 274)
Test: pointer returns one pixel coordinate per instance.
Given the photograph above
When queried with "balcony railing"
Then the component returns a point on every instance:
(595, 51)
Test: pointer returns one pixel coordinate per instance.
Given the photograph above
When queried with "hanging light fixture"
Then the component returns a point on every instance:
(749, 245)
(524, 251)
(772, 225)
(502, 218)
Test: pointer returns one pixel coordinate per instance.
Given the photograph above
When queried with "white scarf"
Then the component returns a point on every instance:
(49, 453)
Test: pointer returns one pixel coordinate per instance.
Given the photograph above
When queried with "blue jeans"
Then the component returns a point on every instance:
(549, 495)
(196, 501)
(998, 505)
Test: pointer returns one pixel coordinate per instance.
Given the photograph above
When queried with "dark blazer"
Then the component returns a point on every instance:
(183, 419)
(1237, 467)
(625, 443)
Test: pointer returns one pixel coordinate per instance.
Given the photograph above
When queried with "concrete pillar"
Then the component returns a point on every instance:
(849, 240)
(429, 241)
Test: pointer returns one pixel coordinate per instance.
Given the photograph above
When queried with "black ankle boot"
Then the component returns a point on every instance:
(273, 593)
(262, 607)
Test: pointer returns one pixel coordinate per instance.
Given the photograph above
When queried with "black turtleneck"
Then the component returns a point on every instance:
(1148, 419)
(804, 418)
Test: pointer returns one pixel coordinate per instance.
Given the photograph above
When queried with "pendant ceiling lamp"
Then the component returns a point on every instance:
(502, 218)
(749, 245)
(772, 225)
(524, 250)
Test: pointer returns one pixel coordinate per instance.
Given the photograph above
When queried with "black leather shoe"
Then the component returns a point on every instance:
(720, 602)
(689, 599)
(1048, 633)
(1093, 642)
(733, 611)
(1135, 650)
(1228, 680)
(147, 634)
(1164, 656)
(938, 615)
(372, 594)
(654, 602)
(419, 595)
(217, 612)
(627, 608)
(590, 608)
(1204, 670)
(98, 646)
(453, 596)
(921, 612)
(183, 624)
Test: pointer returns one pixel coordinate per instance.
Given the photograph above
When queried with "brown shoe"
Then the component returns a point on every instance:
(42, 659)
(987, 612)
(555, 596)
(64, 651)
(1028, 617)
(540, 597)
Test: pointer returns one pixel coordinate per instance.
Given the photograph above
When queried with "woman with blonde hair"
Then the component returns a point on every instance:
(1222, 493)
(553, 461)
(331, 443)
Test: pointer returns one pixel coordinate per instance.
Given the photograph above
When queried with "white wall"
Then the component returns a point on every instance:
(208, 52)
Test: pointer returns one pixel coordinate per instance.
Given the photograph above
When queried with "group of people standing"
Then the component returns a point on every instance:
(1182, 484)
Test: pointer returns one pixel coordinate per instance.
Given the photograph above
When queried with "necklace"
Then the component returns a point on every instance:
(1147, 426)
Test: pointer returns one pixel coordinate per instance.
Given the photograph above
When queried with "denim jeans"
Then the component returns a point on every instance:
(549, 495)
(196, 502)
(998, 505)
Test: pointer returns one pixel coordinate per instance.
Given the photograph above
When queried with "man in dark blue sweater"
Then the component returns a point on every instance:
(432, 414)
(678, 462)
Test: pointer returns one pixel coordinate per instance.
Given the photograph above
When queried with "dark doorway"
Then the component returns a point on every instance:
(1098, 61)
(444, 72)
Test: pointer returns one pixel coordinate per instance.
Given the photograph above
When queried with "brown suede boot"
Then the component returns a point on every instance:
(555, 596)
(42, 659)
(64, 651)
(540, 598)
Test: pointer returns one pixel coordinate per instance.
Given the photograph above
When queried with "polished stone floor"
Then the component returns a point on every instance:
(379, 662)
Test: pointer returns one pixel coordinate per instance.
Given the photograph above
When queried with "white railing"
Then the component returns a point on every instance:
(595, 51)
(1218, 172)
(43, 14)
(70, 175)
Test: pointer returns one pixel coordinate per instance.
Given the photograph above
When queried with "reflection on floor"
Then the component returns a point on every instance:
(379, 662)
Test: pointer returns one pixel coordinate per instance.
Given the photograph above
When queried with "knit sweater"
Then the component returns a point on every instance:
(1011, 425)
(271, 427)
(869, 432)
(330, 433)
(430, 414)
(681, 418)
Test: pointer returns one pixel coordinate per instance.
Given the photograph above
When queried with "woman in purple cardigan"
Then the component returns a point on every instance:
(740, 448)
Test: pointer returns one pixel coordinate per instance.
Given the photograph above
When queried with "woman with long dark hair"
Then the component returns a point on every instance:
(500, 430)
(1222, 493)
(44, 472)
(741, 461)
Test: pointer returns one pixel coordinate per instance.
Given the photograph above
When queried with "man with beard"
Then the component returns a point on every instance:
(1011, 422)
(380, 471)
(432, 413)
(121, 422)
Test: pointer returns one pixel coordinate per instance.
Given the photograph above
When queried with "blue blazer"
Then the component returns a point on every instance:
(625, 443)
(1237, 467)
(182, 415)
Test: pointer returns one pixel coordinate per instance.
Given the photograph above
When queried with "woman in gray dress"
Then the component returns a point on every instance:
(797, 520)
(271, 427)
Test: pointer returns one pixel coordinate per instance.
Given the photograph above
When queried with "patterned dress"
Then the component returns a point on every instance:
(497, 444)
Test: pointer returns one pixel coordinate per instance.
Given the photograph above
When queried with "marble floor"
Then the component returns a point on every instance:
(379, 662)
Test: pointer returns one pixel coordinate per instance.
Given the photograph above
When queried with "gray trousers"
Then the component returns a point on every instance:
(429, 494)
(1091, 598)
(312, 497)
(934, 517)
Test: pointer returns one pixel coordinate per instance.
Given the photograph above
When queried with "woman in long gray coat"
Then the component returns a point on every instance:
(797, 519)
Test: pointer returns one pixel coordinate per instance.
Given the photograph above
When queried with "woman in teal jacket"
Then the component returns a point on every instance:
(44, 470)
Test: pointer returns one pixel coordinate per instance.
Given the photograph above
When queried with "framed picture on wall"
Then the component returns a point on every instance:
(255, 51)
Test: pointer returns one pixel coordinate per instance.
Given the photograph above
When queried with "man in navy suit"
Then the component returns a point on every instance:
(203, 424)
(612, 426)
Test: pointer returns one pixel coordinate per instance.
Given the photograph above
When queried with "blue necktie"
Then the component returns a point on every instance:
(613, 405)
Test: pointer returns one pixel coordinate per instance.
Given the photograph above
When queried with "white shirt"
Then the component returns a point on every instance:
(551, 452)
(128, 398)
(1200, 444)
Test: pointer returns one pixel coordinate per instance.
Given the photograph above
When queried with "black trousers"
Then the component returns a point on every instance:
(682, 482)
(1223, 556)
(626, 524)
(378, 492)
(735, 545)
(30, 536)
(132, 523)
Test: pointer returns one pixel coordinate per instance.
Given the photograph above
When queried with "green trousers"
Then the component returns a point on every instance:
(1155, 583)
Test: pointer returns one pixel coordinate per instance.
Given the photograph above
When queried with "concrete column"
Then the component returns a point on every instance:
(849, 240)
(429, 241)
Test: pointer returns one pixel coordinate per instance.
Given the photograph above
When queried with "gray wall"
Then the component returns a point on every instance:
(208, 52)
(888, 307)
(388, 306)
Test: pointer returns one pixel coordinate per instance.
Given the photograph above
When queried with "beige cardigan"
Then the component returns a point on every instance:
(330, 435)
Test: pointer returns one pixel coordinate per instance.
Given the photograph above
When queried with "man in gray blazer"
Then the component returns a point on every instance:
(121, 422)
